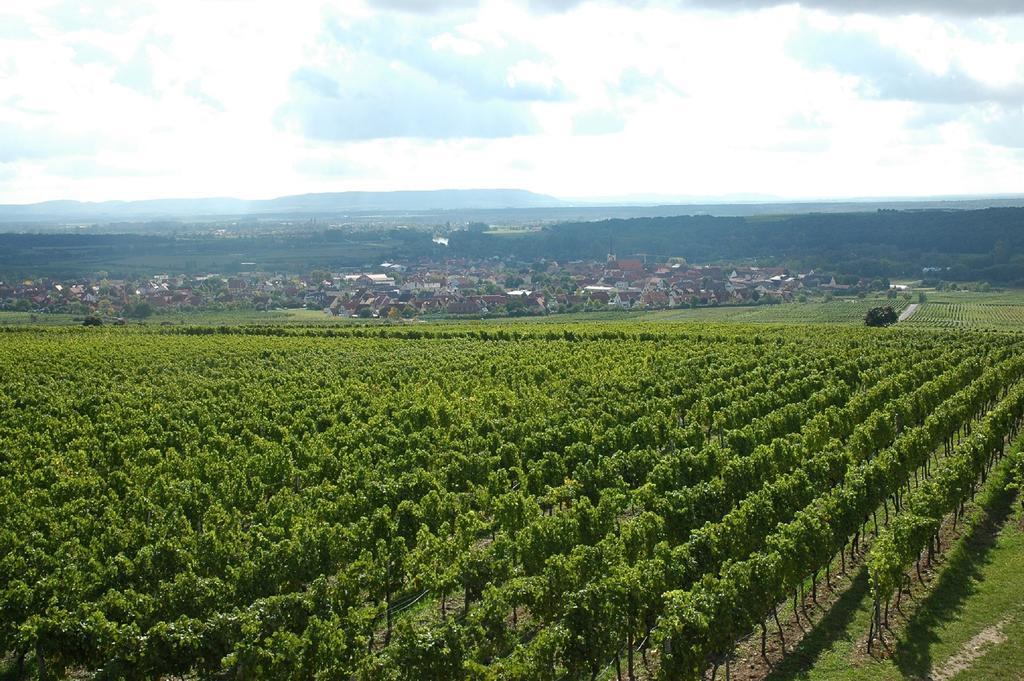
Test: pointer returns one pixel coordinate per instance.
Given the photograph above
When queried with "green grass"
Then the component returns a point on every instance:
(8, 318)
(215, 317)
(203, 317)
(979, 586)
(837, 311)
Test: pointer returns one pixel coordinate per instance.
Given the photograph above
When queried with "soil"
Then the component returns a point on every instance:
(971, 651)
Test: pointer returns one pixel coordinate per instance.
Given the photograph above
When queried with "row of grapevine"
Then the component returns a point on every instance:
(968, 315)
(423, 502)
(653, 564)
(1017, 474)
(753, 518)
(708, 619)
(952, 483)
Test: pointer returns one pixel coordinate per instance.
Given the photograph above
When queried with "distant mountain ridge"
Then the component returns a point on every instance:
(432, 206)
(332, 202)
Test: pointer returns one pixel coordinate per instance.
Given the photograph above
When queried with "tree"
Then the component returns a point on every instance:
(881, 316)
(1000, 252)
(318, 277)
(142, 310)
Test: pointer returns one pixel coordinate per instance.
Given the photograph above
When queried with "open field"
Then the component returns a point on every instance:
(999, 311)
(203, 317)
(838, 311)
(452, 501)
(33, 319)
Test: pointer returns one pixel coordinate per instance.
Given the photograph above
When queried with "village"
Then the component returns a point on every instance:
(453, 287)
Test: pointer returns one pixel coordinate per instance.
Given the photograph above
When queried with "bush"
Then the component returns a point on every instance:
(881, 316)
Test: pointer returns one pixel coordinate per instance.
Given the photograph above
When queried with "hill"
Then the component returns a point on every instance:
(333, 202)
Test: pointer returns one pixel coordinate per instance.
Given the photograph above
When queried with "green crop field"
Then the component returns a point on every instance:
(960, 310)
(838, 311)
(532, 501)
(969, 315)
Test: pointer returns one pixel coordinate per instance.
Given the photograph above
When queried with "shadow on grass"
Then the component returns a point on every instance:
(956, 583)
(825, 631)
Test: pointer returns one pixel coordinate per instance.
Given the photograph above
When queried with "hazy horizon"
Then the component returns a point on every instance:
(638, 199)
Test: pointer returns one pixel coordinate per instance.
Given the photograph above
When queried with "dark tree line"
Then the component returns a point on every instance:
(954, 245)
(880, 244)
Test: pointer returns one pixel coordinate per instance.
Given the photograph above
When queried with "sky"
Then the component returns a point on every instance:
(577, 99)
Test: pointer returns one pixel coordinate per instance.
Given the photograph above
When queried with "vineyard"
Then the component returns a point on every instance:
(481, 502)
(968, 315)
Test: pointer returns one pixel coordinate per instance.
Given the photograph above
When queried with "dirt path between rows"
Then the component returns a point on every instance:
(907, 312)
(972, 650)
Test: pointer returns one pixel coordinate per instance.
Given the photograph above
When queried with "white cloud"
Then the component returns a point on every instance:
(133, 100)
(971, 8)
(891, 72)
(376, 100)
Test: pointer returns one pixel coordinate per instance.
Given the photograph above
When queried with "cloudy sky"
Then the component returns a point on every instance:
(829, 98)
